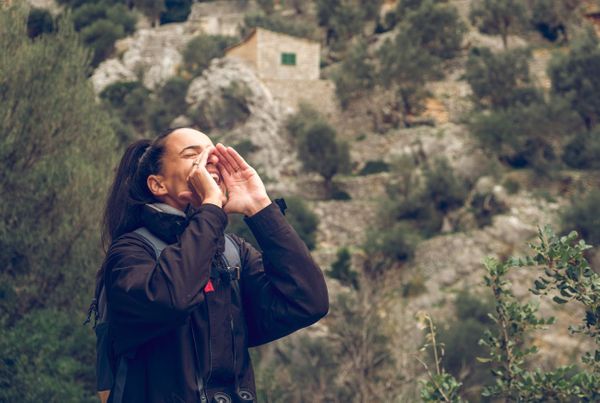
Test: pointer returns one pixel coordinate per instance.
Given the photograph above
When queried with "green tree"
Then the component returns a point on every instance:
(344, 19)
(498, 17)
(575, 77)
(356, 75)
(501, 80)
(101, 24)
(56, 152)
(436, 28)
(405, 68)
(322, 153)
(202, 49)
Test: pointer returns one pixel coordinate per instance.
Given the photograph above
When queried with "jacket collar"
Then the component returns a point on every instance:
(164, 221)
(167, 222)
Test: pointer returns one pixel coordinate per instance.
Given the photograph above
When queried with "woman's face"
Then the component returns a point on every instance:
(182, 148)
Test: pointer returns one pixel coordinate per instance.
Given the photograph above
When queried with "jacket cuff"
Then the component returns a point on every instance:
(266, 221)
(213, 213)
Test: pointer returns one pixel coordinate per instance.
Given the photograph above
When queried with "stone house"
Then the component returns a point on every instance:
(288, 66)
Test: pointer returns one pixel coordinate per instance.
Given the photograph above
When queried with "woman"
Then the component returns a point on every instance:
(182, 329)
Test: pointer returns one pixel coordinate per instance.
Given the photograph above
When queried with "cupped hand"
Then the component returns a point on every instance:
(245, 190)
(201, 182)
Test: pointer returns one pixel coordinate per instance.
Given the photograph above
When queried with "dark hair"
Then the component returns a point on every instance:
(129, 191)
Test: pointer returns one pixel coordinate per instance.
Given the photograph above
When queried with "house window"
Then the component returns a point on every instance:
(288, 59)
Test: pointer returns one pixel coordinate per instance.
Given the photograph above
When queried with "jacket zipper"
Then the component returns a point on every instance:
(198, 375)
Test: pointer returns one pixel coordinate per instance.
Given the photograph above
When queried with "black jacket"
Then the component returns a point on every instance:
(174, 331)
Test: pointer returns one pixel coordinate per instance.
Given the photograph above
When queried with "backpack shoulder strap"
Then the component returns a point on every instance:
(157, 244)
(232, 252)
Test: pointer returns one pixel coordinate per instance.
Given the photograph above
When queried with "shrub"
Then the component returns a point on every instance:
(443, 189)
(202, 49)
(414, 287)
(115, 93)
(176, 11)
(345, 18)
(132, 102)
(583, 215)
(39, 21)
(245, 147)
(277, 23)
(303, 219)
(298, 123)
(460, 338)
(386, 245)
(298, 214)
(340, 194)
(583, 151)
(575, 77)
(225, 113)
(321, 152)
(51, 350)
(551, 18)
(101, 36)
(511, 186)
(374, 167)
(524, 136)
(341, 269)
(170, 103)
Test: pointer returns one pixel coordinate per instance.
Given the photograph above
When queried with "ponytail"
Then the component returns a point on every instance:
(129, 191)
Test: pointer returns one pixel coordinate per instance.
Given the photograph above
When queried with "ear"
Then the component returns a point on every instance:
(156, 185)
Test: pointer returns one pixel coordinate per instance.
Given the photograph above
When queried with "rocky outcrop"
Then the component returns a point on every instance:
(151, 54)
(264, 126)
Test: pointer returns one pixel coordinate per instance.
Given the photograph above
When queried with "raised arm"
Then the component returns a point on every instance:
(283, 289)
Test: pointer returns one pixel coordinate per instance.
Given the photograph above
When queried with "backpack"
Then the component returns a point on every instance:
(106, 380)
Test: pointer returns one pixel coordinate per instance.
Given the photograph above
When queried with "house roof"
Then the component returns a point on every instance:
(255, 30)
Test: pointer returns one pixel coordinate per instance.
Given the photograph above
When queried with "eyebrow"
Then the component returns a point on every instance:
(198, 147)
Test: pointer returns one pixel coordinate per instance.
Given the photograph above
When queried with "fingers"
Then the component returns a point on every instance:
(223, 161)
(238, 158)
(230, 159)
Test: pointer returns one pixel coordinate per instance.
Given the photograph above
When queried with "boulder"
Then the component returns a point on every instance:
(109, 72)
(264, 125)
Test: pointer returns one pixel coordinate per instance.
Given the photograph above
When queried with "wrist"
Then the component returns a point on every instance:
(213, 200)
(257, 206)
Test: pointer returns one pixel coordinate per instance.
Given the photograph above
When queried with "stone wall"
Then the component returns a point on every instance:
(320, 94)
(270, 47)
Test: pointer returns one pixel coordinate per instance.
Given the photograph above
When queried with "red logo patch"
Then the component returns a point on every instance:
(209, 287)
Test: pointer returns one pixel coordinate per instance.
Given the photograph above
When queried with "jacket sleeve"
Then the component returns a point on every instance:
(283, 289)
(148, 297)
